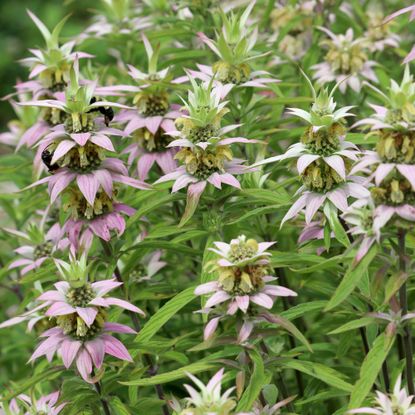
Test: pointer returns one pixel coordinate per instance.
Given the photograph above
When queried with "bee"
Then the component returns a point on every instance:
(47, 160)
(107, 112)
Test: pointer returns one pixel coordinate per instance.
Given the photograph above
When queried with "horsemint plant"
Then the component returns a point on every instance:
(347, 60)
(152, 117)
(324, 160)
(257, 332)
(205, 152)
(242, 288)
(234, 46)
(75, 152)
(391, 167)
(49, 76)
(79, 324)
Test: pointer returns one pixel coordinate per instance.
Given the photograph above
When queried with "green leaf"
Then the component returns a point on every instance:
(277, 197)
(301, 309)
(393, 284)
(164, 314)
(118, 407)
(153, 199)
(198, 367)
(333, 217)
(254, 212)
(355, 324)
(324, 373)
(258, 379)
(287, 325)
(47, 374)
(351, 278)
(192, 201)
(370, 369)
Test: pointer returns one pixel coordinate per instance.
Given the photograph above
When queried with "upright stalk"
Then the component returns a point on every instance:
(104, 403)
(403, 299)
(152, 368)
(280, 381)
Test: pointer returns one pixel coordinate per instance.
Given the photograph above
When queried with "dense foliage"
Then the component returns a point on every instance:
(199, 195)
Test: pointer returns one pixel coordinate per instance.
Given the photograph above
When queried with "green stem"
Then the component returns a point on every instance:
(152, 368)
(403, 299)
(104, 403)
(280, 382)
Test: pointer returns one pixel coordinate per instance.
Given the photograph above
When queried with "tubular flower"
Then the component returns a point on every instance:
(399, 402)
(78, 300)
(392, 165)
(234, 46)
(324, 159)
(243, 269)
(152, 118)
(26, 405)
(208, 400)
(87, 349)
(346, 61)
(205, 155)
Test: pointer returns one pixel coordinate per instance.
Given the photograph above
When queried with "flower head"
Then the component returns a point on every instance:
(241, 251)
(40, 246)
(200, 124)
(324, 158)
(76, 302)
(234, 45)
(208, 400)
(243, 276)
(117, 18)
(398, 110)
(86, 349)
(102, 223)
(346, 60)
(28, 405)
(148, 267)
(378, 32)
(151, 118)
(52, 64)
(399, 402)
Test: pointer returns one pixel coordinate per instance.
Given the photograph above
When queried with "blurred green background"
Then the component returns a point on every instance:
(18, 33)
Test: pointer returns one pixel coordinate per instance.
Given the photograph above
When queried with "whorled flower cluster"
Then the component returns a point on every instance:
(241, 288)
(234, 46)
(392, 165)
(324, 159)
(78, 320)
(205, 153)
(75, 152)
(152, 117)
